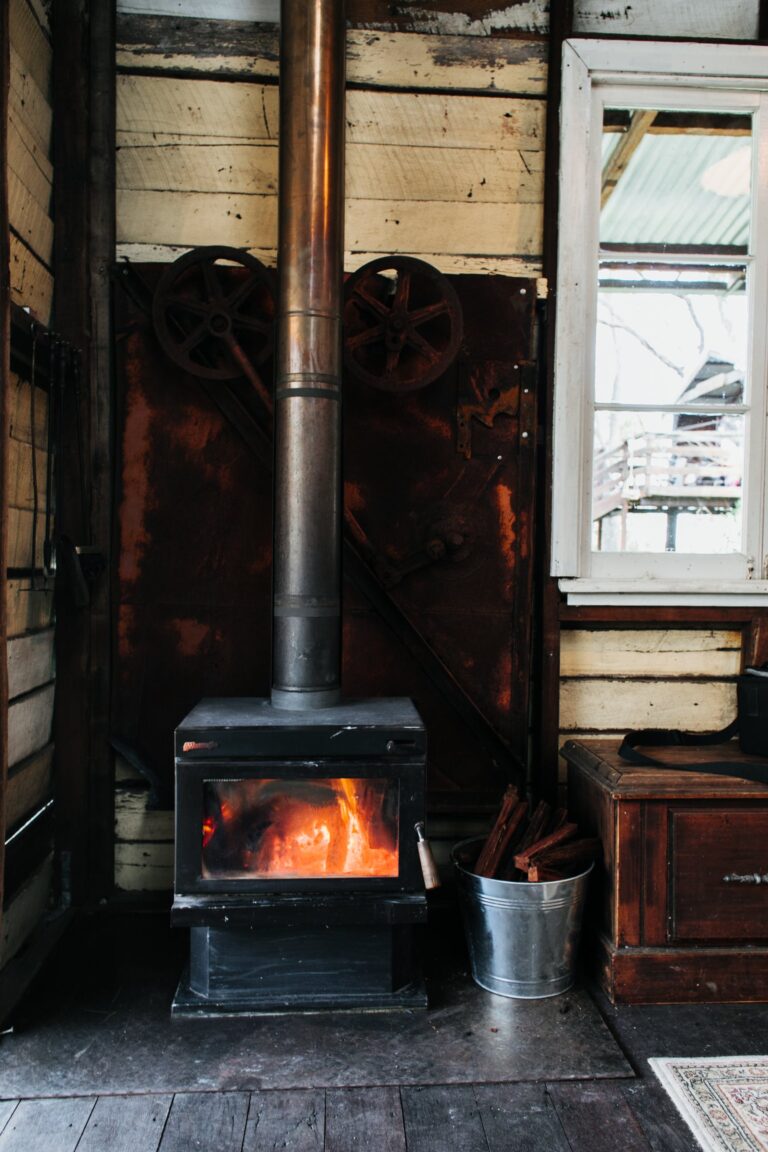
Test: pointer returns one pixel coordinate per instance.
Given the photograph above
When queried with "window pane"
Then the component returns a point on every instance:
(675, 178)
(671, 335)
(667, 482)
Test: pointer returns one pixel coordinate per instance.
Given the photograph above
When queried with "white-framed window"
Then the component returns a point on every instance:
(661, 349)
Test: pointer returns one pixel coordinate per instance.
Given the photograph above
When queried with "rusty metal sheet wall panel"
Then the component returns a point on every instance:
(191, 589)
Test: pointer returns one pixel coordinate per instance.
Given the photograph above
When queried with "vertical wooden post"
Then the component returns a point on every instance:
(5, 344)
(546, 706)
(83, 136)
(101, 258)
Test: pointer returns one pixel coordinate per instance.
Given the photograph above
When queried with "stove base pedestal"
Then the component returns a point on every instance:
(265, 970)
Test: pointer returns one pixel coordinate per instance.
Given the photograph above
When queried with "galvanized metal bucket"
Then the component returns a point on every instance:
(522, 937)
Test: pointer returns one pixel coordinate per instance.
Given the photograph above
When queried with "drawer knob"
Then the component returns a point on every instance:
(749, 878)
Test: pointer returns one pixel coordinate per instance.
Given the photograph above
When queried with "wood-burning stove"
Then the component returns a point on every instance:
(297, 866)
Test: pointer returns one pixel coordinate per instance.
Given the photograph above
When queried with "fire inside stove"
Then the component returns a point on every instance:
(300, 828)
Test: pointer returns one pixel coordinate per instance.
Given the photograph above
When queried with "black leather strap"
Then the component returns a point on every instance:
(671, 737)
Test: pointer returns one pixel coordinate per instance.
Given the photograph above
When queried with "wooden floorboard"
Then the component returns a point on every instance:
(202, 1121)
(46, 1125)
(596, 1118)
(519, 1118)
(286, 1120)
(364, 1120)
(126, 1124)
(443, 1119)
(658, 1117)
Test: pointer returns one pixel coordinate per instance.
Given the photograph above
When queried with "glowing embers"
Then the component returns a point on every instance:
(294, 829)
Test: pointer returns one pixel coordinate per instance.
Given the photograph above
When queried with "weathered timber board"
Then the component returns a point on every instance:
(27, 104)
(519, 1118)
(233, 111)
(31, 44)
(385, 226)
(133, 821)
(30, 662)
(591, 704)
(144, 867)
(22, 404)
(28, 607)
(20, 542)
(692, 19)
(658, 1118)
(31, 281)
(26, 485)
(374, 171)
(46, 1125)
(29, 785)
(125, 1124)
(291, 1120)
(443, 1117)
(392, 60)
(23, 915)
(583, 1108)
(520, 267)
(470, 17)
(29, 218)
(29, 723)
(30, 163)
(664, 652)
(205, 1120)
(364, 1118)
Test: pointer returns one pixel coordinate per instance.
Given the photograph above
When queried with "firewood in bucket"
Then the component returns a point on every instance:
(525, 856)
(508, 824)
(564, 860)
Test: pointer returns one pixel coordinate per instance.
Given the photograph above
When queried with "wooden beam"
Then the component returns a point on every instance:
(617, 163)
(72, 310)
(546, 658)
(5, 375)
(101, 256)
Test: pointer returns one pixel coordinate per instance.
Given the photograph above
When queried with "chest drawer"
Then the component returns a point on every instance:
(719, 873)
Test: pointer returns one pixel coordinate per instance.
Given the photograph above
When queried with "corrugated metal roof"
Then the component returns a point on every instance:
(666, 195)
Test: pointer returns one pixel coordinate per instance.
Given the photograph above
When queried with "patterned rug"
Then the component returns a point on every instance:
(723, 1099)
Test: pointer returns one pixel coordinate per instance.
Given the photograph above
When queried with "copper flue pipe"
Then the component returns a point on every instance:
(306, 641)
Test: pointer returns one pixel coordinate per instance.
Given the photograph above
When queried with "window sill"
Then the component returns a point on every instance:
(666, 593)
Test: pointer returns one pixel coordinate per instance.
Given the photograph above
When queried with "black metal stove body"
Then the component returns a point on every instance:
(297, 866)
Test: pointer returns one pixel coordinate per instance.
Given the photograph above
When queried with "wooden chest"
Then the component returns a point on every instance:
(680, 904)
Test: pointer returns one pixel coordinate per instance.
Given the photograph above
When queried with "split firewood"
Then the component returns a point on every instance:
(525, 856)
(509, 820)
(559, 817)
(537, 825)
(564, 860)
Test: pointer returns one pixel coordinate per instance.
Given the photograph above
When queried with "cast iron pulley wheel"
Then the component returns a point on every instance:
(402, 324)
(213, 312)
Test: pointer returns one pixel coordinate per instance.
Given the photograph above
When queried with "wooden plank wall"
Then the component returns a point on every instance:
(29, 596)
(450, 170)
(615, 679)
(30, 173)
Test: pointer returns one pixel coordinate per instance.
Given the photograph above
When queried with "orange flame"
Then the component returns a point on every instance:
(321, 828)
(209, 827)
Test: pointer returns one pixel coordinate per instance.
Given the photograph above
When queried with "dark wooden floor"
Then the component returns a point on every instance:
(113, 963)
(565, 1117)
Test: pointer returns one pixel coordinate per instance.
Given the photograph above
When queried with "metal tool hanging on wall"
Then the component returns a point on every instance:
(74, 565)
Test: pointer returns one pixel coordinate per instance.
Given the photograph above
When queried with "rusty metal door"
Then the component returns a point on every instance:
(439, 494)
